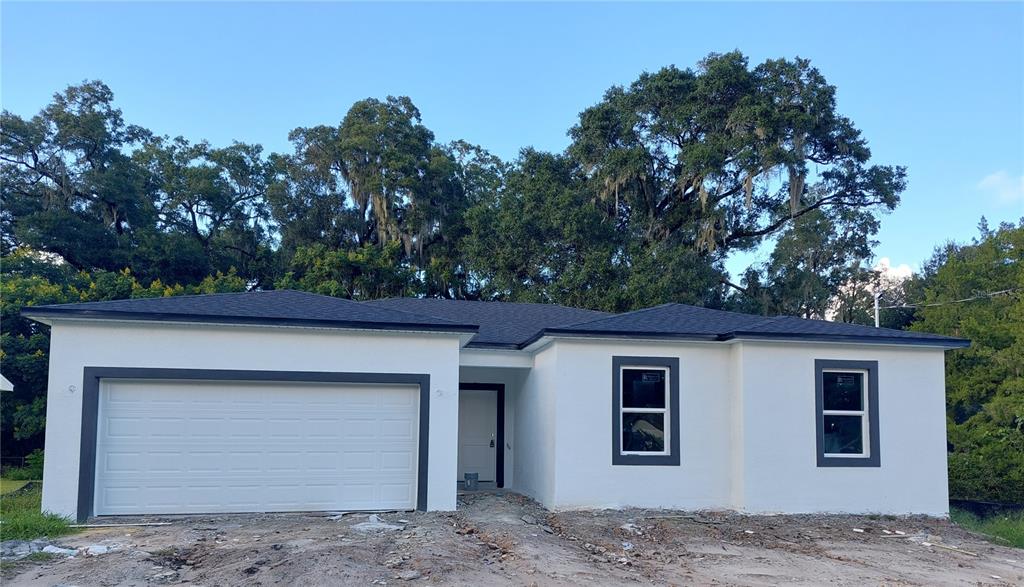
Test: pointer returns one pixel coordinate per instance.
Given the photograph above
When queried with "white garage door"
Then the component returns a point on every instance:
(203, 447)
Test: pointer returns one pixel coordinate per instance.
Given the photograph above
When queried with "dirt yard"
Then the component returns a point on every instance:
(510, 540)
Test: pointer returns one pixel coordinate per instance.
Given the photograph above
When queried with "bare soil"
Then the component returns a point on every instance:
(506, 539)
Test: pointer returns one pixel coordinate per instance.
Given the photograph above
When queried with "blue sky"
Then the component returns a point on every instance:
(936, 87)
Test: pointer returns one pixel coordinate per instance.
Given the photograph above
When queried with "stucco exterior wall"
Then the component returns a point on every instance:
(778, 450)
(584, 470)
(75, 345)
(748, 436)
(535, 429)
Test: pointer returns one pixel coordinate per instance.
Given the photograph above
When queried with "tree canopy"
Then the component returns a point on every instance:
(976, 291)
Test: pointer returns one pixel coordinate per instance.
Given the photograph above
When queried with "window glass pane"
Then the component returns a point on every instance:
(843, 391)
(843, 435)
(643, 388)
(643, 432)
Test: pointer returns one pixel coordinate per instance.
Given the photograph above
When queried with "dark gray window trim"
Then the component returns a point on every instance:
(874, 456)
(90, 411)
(499, 455)
(672, 364)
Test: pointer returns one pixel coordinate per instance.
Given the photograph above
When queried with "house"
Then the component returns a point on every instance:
(290, 401)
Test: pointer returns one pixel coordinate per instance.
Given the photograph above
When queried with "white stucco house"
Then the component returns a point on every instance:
(289, 401)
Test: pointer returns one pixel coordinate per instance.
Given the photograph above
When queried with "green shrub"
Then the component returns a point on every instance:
(32, 471)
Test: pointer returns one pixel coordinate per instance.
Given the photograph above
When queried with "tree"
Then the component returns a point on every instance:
(984, 383)
(365, 273)
(80, 182)
(816, 268)
(31, 278)
(211, 202)
(541, 239)
(68, 187)
(378, 179)
(721, 158)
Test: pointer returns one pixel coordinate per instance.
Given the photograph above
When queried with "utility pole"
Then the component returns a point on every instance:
(877, 295)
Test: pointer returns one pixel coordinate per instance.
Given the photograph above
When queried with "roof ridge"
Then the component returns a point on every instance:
(541, 304)
(612, 315)
(765, 322)
(408, 313)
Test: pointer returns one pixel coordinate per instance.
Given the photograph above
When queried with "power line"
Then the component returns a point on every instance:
(971, 299)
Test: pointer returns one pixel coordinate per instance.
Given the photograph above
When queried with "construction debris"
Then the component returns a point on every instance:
(490, 540)
(374, 524)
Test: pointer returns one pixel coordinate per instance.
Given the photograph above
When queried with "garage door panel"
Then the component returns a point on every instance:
(227, 447)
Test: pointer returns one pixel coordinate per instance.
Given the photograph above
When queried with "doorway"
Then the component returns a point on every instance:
(482, 432)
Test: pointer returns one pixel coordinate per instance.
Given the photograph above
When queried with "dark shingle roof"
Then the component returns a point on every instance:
(281, 307)
(691, 322)
(668, 319)
(502, 324)
(496, 324)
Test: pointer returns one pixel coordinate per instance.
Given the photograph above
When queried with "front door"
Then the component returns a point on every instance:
(478, 434)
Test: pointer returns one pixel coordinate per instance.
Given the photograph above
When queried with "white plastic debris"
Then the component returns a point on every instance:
(374, 524)
(97, 549)
(51, 549)
(858, 530)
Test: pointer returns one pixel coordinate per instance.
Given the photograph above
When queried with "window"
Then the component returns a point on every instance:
(645, 414)
(847, 399)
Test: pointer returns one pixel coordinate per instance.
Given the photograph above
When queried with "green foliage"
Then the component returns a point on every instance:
(29, 279)
(22, 518)
(697, 156)
(367, 273)
(31, 471)
(1000, 528)
(81, 183)
(540, 240)
(815, 263)
(984, 383)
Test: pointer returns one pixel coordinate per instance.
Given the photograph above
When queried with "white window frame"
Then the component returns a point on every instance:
(864, 412)
(667, 410)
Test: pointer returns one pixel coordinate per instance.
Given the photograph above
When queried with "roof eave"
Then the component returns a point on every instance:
(946, 343)
(100, 315)
(638, 334)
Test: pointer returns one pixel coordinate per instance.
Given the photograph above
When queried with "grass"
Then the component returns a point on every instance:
(21, 518)
(1002, 528)
(9, 485)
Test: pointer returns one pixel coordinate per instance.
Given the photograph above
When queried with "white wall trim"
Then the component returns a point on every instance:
(477, 357)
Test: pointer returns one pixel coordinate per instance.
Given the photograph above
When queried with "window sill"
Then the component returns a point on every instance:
(658, 460)
(857, 461)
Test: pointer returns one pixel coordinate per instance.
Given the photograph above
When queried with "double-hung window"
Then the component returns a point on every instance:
(847, 413)
(645, 414)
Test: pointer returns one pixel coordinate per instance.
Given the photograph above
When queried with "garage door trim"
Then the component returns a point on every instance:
(90, 410)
